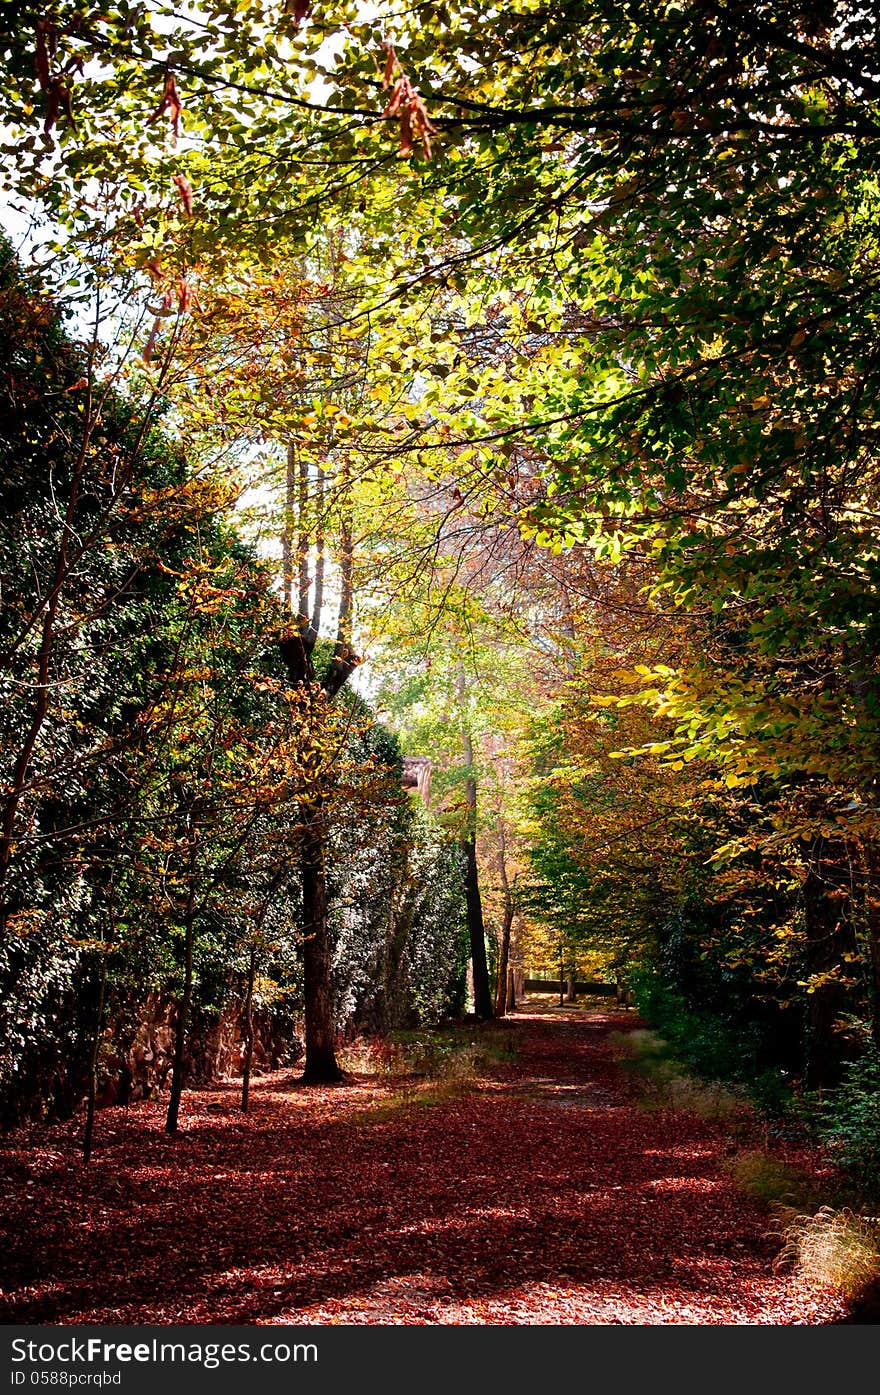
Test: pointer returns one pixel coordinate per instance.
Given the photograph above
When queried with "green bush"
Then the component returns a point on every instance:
(708, 1045)
(848, 1120)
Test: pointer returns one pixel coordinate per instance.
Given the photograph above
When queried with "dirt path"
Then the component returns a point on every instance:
(542, 1194)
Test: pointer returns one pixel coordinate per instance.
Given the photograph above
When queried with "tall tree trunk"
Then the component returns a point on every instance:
(248, 1015)
(871, 881)
(185, 1004)
(401, 911)
(321, 1066)
(827, 922)
(468, 843)
(288, 531)
(89, 1132)
(502, 992)
(476, 931)
(318, 597)
(303, 543)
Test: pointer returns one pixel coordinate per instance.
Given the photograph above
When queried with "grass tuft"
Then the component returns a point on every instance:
(833, 1249)
(767, 1179)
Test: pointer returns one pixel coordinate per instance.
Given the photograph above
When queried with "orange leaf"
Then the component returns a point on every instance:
(169, 101)
(184, 189)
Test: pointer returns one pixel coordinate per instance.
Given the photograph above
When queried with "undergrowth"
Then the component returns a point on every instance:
(822, 1222)
(831, 1248)
(427, 1067)
(665, 1083)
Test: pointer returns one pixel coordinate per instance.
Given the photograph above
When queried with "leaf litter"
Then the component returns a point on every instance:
(536, 1193)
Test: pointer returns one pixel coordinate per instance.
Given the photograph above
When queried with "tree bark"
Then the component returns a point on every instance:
(828, 935)
(183, 1009)
(503, 995)
(476, 931)
(248, 1015)
(321, 1066)
(468, 844)
(89, 1132)
(287, 531)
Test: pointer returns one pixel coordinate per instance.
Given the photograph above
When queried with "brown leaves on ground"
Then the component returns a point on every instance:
(536, 1193)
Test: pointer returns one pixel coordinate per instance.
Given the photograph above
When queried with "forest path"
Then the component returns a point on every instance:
(538, 1193)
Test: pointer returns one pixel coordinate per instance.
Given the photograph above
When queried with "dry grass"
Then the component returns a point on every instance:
(424, 1068)
(832, 1249)
(663, 1084)
(767, 1179)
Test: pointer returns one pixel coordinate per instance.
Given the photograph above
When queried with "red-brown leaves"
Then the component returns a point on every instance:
(406, 104)
(184, 189)
(47, 41)
(170, 102)
(390, 65)
(58, 98)
(150, 346)
(187, 299)
(541, 1194)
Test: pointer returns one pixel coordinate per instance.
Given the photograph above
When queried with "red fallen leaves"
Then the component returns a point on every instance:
(543, 1195)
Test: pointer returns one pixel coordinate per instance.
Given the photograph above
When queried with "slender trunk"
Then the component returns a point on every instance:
(89, 1132)
(468, 844)
(321, 1066)
(303, 542)
(828, 933)
(248, 1030)
(287, 533)
(503, 995)
(395, 1000)
(183, 1010)
(871, 898)
(476, 930)
(344, 658)
(318, 596)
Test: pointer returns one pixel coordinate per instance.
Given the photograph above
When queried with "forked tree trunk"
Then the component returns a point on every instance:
(321, 1066)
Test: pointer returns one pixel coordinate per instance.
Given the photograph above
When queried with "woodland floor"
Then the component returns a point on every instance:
(537, 1192)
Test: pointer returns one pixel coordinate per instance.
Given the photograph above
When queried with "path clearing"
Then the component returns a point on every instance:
(541, 1195)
